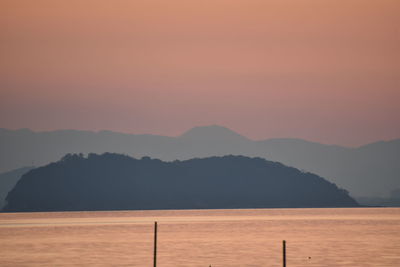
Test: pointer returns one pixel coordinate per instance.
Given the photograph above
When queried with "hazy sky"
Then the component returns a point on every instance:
(323, 70)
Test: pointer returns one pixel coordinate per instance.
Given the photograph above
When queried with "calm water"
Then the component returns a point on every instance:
(330, 237)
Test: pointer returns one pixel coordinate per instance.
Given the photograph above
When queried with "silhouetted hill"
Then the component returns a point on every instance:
(8, 181)
(116, 182)
(371, 170)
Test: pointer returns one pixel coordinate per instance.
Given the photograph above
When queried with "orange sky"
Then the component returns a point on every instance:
(327, 71)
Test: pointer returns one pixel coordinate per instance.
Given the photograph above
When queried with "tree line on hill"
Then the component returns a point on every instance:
(119, 182)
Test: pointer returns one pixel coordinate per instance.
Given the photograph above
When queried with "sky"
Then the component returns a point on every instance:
(325, 71)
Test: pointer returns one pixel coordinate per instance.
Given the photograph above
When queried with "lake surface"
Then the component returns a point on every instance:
(315, 237)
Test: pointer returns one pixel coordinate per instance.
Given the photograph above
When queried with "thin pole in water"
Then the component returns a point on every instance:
(155, 245)
(284, 253)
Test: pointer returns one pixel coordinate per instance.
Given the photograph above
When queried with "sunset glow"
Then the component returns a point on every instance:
(326, 71)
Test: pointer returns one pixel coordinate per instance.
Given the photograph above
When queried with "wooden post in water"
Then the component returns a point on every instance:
(155, 245)
(284, 253)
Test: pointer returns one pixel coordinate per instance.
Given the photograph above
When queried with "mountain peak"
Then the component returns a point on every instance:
(212, 132)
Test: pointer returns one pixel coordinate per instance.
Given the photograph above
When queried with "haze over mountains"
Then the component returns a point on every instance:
(118, 182)
(370, 170)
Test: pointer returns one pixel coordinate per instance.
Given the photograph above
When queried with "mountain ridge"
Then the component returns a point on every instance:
(371, 170)
(28, 130)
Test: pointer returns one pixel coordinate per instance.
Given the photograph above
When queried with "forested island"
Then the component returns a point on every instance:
(118, 182)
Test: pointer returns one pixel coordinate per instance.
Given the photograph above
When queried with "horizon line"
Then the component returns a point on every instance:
(194, 127)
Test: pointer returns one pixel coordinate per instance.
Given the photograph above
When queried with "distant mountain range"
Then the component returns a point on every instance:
(118, 182)
(370, 171)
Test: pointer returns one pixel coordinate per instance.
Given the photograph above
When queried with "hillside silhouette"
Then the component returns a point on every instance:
(367, 171)
(8, 181)
(119, 182)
